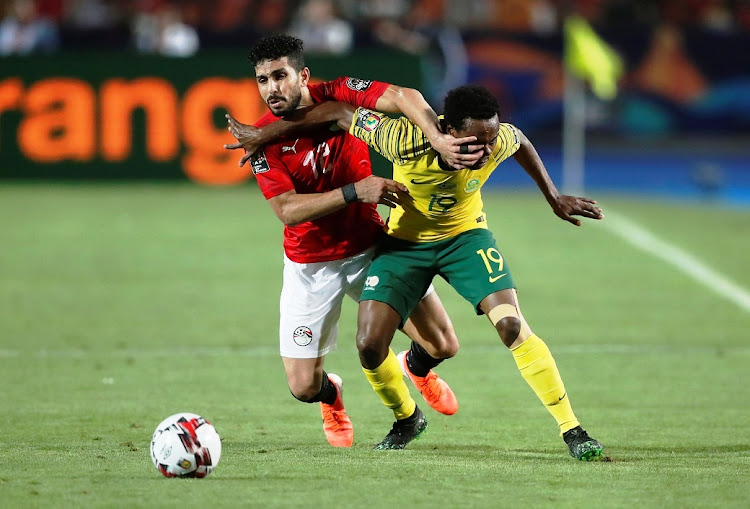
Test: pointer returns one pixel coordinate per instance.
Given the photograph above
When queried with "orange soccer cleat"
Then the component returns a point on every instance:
(434, 389)
(336, 424)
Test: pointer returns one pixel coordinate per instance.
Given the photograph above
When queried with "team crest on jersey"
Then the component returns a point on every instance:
(472, 185)
(259, 164)
(358, 84)
(303, 336)
(367, 120)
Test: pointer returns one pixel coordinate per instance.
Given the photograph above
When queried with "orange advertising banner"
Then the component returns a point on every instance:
(96, 116)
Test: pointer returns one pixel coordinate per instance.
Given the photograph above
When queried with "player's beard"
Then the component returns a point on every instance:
(292, 103)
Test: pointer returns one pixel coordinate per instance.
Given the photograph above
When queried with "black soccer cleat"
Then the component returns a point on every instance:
(581, 445)
(403, 432)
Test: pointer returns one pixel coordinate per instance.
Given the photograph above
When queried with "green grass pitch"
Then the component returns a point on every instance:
(123, 304)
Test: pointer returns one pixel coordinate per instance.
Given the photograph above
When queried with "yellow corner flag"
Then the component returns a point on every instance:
(590, 58)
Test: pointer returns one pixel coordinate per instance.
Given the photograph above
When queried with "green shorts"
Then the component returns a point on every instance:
(402, 271)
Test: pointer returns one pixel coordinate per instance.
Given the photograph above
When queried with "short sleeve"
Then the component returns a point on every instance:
(272, 176)
(396, 139)
(355, 91)
(508, 143)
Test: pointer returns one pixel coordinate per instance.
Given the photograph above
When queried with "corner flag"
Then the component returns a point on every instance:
(590, 58)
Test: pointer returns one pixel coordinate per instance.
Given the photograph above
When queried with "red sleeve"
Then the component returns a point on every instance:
(272, 176)
(357, 92)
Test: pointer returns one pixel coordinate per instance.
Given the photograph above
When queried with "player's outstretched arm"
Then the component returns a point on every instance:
(459, 153)
(251, 138)
(564, 206)
(293, 208)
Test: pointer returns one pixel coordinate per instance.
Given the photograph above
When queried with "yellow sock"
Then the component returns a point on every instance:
(538, 368)
(388, 382)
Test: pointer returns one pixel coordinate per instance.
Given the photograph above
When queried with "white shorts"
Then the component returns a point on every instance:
(311, 297)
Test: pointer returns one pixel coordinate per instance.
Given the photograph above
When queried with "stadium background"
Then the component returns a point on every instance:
(679, 124)
(140, 268)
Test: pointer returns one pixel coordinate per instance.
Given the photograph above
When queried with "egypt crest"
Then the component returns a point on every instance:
(303, 336)
(358, 84)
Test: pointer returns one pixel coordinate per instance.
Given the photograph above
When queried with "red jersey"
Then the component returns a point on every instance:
(320, 162)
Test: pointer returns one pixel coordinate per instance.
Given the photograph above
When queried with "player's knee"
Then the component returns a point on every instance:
(372, 348)
(370, 351)
(509, 329)
(508, 323)
(376, 324)
(447, 344)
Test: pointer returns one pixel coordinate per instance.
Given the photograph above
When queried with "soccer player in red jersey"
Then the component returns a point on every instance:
(321, 187)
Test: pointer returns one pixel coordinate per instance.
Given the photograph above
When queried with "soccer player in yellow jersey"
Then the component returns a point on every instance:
(440, 228)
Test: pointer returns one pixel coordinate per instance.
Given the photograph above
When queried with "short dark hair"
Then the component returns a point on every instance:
(273, 47)
(469, 101)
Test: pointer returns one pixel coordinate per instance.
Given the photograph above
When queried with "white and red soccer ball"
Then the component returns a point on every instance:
(185, 445)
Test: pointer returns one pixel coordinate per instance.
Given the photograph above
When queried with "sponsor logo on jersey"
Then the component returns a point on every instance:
(259, 164)
(302, 335)
(358, 84)
(371, 282)
(472, 185)
(290, 148)
(447, 186)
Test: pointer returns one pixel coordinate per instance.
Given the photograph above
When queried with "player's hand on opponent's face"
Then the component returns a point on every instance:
(248, 137)
(567, 206)
(459, 153)
(374, 189)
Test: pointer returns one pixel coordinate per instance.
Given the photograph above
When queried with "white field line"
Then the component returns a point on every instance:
(678, 258)
(268, 351)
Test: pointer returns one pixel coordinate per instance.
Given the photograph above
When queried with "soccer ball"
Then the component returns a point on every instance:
(185, 445)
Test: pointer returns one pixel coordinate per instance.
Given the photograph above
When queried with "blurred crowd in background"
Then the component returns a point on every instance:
(180, 28)
(687, 64)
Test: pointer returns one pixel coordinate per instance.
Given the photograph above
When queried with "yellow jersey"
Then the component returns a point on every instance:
(442, 202)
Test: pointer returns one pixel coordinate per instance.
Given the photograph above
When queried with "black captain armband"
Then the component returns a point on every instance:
(350, 193)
